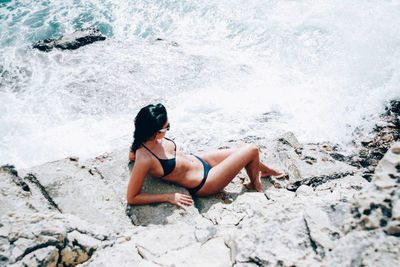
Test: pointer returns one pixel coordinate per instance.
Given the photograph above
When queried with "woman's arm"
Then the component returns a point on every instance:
(134, 197)
(131, 156)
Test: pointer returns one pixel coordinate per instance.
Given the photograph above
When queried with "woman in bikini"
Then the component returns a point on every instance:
(202, 175)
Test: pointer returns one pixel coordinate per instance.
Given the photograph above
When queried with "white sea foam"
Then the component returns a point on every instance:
(224, 71)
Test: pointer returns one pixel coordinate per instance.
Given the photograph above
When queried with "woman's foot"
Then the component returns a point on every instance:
(270, 172)
(251, 187)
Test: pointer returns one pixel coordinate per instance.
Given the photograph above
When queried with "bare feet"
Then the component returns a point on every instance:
(270, 172)
(251, 187)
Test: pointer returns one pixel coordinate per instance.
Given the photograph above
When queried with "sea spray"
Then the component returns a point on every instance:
(224, 71)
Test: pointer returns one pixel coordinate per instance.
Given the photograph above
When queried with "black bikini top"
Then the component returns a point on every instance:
(168, 165)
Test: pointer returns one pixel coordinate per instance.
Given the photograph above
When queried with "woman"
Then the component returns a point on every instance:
(202, 175)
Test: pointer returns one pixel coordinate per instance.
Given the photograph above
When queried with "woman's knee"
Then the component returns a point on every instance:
(252, 149)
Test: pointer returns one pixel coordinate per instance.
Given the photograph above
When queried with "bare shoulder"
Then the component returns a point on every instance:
(142, 157)
(142, 165)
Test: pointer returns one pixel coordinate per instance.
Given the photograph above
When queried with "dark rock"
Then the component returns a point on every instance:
(72, 41)
(298, 151)
(30, 177)
(317, 180)
(367, 212)
(257, 261)
(373, 149)
(386, 211)
(338, 156)
(367, 176)
(366, 141)
(395, 106)
(398, 168)
(16, 179)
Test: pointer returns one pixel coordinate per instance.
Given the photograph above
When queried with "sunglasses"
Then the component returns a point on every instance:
(164, 129)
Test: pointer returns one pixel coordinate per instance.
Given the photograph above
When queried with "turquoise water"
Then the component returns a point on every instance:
(225, 70)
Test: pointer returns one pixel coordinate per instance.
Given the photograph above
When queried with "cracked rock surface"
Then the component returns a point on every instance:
(325, 211)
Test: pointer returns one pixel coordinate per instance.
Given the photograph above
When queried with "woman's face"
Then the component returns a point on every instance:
(163, 131)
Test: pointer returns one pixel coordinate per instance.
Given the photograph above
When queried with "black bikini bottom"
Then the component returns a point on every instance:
(207, 168)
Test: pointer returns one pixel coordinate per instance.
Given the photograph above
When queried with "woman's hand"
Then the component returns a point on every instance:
(180, 200)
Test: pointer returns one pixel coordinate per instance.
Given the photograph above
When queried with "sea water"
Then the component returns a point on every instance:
(224, 69)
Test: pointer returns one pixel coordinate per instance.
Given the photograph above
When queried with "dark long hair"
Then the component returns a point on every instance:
(148, 122)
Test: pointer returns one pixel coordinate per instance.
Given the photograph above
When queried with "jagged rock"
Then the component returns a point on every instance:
(373, 207)
(275, 235)
(14, 199)
(10, 169)
(290, 139)
(317, 181)
(322, 231)
(386, 170)
(47, 256)
(331, 219)
(76, 191)
(71, 41)
(233, 214)
(170, 245)
(289, 163)
(364, 248)
(46, 239)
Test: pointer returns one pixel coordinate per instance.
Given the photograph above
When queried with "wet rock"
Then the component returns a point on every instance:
(72, 41)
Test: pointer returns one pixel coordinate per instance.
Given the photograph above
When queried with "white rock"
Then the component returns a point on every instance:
(304, 190)
(213, 252)
(396, 210)
(47, 256)
(321, 228)
(387, 168)
(364, 248)
(76, 191)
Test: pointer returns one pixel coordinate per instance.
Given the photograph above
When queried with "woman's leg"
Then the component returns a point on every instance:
(213, 158)
(221, 174)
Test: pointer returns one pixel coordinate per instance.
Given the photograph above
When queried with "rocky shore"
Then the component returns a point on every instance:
(331, 208)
